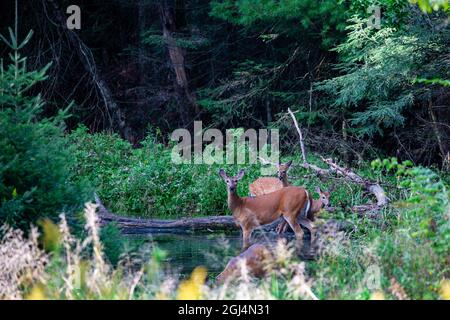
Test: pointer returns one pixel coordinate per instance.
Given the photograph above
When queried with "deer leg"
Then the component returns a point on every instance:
(246, 233)
(310, 226)
(282, 226)
(291, 220)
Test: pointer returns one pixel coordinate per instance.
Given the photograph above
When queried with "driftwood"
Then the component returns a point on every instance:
(346, 174)
(370, 186)
(201, 224)
(205, 224)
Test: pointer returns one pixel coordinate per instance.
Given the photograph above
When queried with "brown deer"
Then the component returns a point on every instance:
(266, 185)
(256, 259)
(252, 212)
(311, 208)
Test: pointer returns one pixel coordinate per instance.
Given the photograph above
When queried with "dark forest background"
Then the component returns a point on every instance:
(143, 66)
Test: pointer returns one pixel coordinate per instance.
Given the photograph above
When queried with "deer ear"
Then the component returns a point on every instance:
(240, 174)
(330, 189)
(318, 190)
(288, 164)
(222, 174)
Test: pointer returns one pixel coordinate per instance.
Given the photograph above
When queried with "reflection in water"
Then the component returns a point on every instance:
(187, 251)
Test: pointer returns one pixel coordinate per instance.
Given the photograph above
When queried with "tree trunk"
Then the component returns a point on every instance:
(268, 111)
(141, 47)
(442, 148)
(117, 118)
(185, 98)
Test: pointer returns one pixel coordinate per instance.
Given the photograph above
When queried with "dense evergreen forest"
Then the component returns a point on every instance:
(358, 89)
(143, 66)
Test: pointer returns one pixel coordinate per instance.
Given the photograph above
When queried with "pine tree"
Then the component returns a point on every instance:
(36, 180)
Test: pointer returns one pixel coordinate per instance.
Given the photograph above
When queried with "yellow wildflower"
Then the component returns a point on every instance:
(191, 289)
(377, 295)
(445, 289)
(36, 293)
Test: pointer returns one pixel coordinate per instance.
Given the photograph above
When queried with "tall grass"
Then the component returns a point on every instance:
(77, 269)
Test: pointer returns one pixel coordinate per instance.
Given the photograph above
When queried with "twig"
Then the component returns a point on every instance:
(264, 161)
(302, 145)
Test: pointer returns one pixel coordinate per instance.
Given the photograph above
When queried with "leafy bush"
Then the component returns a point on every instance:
(35, 160)
(407, 244)
(145, 182)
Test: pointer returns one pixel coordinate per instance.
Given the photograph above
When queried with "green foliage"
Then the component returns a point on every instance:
(145, 182)
(237, 97)
(407, 240)
(430, 5)
(115, 245)
(393, 12)
(427, 203)
(378, 68)
(438, 81)
(35, 160)
(325, 19)
(153, 38)
(420, 242)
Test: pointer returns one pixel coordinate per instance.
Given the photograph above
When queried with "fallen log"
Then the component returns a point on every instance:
(131, 225)
(370, 186)
(137, 225)
(198, 224)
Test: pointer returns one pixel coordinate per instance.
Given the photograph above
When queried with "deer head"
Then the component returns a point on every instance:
(283, 169)
(231, 181)
(324, 196)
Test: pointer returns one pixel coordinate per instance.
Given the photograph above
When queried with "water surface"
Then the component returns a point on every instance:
(186, 251)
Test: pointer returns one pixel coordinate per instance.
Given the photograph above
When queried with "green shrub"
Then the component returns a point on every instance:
(36, 178)
(145, 182)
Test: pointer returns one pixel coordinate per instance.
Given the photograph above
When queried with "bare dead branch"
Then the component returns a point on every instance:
(302, 145)
(346, 173)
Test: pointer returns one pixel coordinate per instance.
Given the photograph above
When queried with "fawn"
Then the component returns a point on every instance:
(266, 185)
(251, 212)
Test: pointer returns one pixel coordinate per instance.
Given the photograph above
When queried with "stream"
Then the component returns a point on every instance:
(185, 251)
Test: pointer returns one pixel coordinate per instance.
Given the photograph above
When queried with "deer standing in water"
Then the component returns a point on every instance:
(266, 185)
(252, 212)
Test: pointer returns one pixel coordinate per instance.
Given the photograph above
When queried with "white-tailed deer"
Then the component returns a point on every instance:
(256, 259)
(311, 208)
(252, 212)
(266, 185)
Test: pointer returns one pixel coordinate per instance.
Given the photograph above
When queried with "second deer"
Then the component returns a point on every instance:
(266, 185)
(252, 212)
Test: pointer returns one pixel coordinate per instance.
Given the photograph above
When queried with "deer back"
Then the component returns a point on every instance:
(264, 185)
(253, 211)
